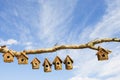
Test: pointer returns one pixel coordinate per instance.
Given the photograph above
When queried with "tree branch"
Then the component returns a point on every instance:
(90, 45)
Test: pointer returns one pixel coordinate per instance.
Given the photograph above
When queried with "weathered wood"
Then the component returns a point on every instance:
(91, 45)
(68, 63)
(35, 63)
(47, 65)
(57, 63)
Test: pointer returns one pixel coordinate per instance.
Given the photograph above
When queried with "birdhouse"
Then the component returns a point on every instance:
(47, 65)
(35, 63)
(22, 59)
(4, 48)
(102, 54)
(68, 63)
(57, 63)
(8, 57)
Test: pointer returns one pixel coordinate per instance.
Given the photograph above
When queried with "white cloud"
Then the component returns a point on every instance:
(87, 67)
(8, 42)
(82, 78)
(110, 23)
(52, 18)
(28, 45)
(114, 78)
(111, 68)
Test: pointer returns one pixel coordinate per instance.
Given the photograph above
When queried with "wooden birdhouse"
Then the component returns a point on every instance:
(102, 54)
(8, 57)
(68, 63)
(35, 63)
(22, 59)
(57, 63)
(47, 65)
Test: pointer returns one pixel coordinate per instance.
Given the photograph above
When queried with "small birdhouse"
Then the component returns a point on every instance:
(102, 54)
(68, 63)
(4, 48)
(57, 63)
(22, 59)
(8, 57)
(47, 65)
(35, 63)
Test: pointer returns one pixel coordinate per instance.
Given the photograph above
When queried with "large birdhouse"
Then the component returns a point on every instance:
(47, 65)
(22, 59)
(35, 63)
(8, 57)
(57, 63)
(102, 54)
(68, 63)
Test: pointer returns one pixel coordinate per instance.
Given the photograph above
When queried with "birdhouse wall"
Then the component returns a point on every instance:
(22, 60)
(69, 65)
(8, 58)
(35, 65)
(102, 57)
(47, 67)
(58, 65)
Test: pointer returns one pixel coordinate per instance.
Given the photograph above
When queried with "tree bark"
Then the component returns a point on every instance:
(91, 45)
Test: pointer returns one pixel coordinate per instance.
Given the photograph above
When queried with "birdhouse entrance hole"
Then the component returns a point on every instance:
(57, 63)
(68, 62)
(35, 63)
(22, 60)
(103, 55)
(8, 56)
(46, 65)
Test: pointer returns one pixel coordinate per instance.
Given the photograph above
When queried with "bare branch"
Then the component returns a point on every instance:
(90, 45)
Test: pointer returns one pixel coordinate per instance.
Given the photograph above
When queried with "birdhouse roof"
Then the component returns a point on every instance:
(23, 54)
(68, 58)
(102, 49)
(35, 59)
(56, 59)
(9, 52)
(46, 60)
(3, 46)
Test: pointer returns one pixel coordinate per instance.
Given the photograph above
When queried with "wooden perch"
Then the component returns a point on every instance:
(90, 45)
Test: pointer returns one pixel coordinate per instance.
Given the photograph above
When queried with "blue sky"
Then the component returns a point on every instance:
(33, 24)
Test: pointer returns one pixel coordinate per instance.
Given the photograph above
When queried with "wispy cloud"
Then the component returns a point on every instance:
(54, 19)
(16, 21)
(117, 77)
(110, 23)
(35, 24)
(28, 45)
(88, 68)
(82, 78)
(8, 42)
